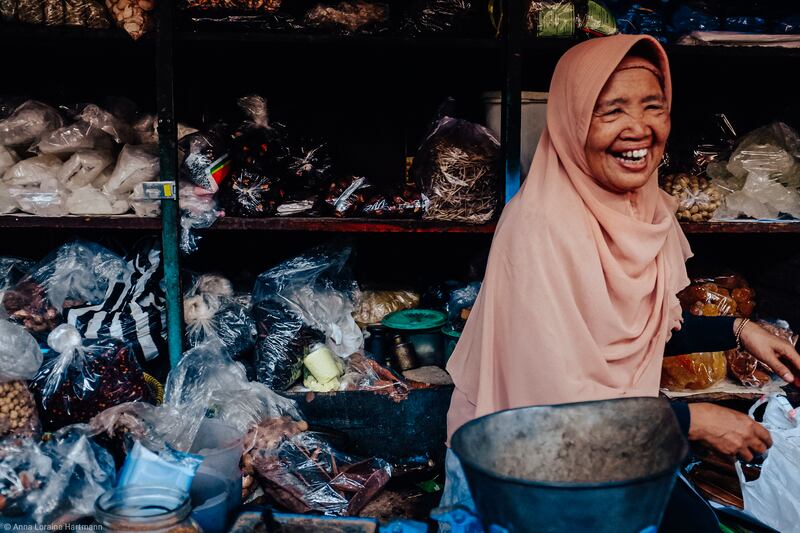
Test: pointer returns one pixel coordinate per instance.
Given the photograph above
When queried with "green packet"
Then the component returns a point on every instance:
(558, 18)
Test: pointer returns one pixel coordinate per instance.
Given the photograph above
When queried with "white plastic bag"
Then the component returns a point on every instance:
(27, 123)
(42, 202)
(34, 172)
(772, 498)
(142, 205)
(20, 356)
(103, 120)
(8, 158)
(90, 201)
(135, 165)
(73, 138)
(83, 168)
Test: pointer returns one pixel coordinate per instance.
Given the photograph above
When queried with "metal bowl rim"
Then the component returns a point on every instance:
(563, 484)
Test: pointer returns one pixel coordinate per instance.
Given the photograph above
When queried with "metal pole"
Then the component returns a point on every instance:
(511, 113)
(167, 144)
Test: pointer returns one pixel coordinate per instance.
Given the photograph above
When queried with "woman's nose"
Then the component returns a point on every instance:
(636, 127)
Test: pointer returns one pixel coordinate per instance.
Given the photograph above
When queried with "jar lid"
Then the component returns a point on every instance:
(415, 319)
(451, 332)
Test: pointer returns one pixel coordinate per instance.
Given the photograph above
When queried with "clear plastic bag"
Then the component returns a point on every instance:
(146, 129)
(104, 121)
(698, 198)
(8, 204)
(347, 196)
(89, 13)
(133, 16)
(460, 299)
(405, 203)
(563, 18)
(20, 359)
(8, 158)
(763, 175)
(79, 272)
(90, 201)
(695, 371)
(211, 315)
(372, 306)
(317, 287)
(747, 369)
(259, 6)
(83, 168)
(457, 167)
(363, 373)
(303, 473)
(356, 16)
(720, 296)
(142, 205)
(135, 165)
(207, 162)
(41, 202)
(27, 123)
(27, 304)
(198, 211)
(207, 383)
(87, 377)
(55, 482)
(452, 17)
(70, 139)
(40, 172)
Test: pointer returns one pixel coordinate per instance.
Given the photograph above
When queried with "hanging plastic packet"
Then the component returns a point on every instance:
(564, 18)
(207, 162)
(168, 468)
(27, 123)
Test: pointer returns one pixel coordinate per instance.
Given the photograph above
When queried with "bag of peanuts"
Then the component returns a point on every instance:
(85, 378)
(20, 359)
(697, 197)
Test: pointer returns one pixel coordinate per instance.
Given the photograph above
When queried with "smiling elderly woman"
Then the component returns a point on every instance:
(579, 300)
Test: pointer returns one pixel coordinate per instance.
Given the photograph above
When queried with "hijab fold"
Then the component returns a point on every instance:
(579, 296)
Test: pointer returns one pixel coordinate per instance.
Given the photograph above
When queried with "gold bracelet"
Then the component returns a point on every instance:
(739, 333)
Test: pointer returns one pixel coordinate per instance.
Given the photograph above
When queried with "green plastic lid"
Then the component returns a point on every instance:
(415, 319)
(450, 332)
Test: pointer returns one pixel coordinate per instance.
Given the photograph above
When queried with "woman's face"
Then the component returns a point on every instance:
(629, 130)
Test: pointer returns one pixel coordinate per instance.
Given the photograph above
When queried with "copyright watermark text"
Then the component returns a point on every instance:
(55, 527)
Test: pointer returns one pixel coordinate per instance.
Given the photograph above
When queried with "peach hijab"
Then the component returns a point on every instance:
(579, 296)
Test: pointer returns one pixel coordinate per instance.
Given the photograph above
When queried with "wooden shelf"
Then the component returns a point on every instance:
(67, 35)
(790, 226)
(78, 222)
(345, 225)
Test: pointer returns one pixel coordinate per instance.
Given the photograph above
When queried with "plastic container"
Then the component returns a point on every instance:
(221, 447)
(210, 494)
(423, 329)
(601, 467)
(534, 119)
(151, 509)
(451, 337)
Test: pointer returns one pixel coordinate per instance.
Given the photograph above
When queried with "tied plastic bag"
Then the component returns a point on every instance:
(770, 498)
(698, 198)
(198, 211)
(8, 158)
(83, 168)
(90, 201)
(133, 16)
(98, 118)
(347, 18)
(457, 167)
(70, 139)
(27, 123)
(43, 202)
(135, 165)
(303, 473)
(55, 482)
(207, 162)
(762, 176)
(720, 296)
(39, 172)
(563, 18)
(86, 377)
(20, 359)
(79, 272)
(749, 370)
(211, 313)
(453, 17)
(372, 306)
(207, 383)
(296, 303)
(347, 196)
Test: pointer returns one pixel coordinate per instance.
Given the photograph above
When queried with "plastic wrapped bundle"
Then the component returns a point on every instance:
(350, 17)
(133, 16)
(87, 377)
(565, 18)
(28, 121)
(452, 17)
(457, 166)
(695, 371)
(20, 359)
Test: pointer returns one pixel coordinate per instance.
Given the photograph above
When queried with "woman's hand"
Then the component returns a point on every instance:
(770, 350)
(728, 432)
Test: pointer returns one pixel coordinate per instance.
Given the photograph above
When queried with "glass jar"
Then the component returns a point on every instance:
(152, 509)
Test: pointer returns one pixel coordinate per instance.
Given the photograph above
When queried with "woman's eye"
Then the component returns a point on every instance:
(612, 112)
(655, 107)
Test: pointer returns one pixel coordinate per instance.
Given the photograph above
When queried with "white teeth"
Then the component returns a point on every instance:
(635, 154)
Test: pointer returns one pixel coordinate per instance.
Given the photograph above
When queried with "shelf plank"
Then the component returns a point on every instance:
(789, 226)
(678, 51)
(66, 35)
(344, 225)
(80, 222)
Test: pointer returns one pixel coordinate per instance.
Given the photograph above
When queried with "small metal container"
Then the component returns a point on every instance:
(377, 344)
(404, 357)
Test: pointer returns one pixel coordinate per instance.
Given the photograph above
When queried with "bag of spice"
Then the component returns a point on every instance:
(20, 359)
(85, 378)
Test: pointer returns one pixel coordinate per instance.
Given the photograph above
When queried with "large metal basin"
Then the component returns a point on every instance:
(605, 466)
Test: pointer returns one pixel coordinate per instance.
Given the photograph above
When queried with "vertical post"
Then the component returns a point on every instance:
(168, 153)
(511, 113)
